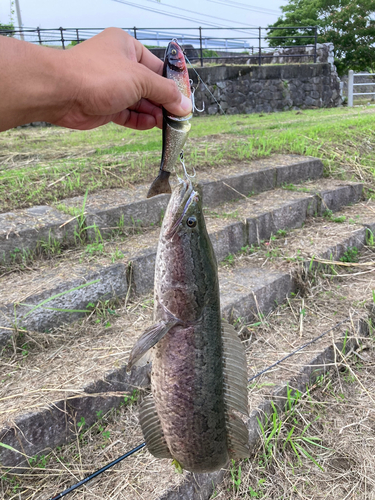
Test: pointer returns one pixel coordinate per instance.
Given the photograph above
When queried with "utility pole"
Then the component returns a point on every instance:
(19, 18)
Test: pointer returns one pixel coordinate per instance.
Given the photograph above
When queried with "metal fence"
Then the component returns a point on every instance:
(210, 44)
(351, 85)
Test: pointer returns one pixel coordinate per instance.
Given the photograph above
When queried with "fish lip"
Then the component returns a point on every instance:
(187, 196)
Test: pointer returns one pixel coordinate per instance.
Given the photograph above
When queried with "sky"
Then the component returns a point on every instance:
(104, 13)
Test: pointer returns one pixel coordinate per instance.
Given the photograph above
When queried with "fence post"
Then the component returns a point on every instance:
(315, 42)
(77, 36)
(200, 45)
(350, 88)
(135, 32)
(260, 46)
(62, 37)
(40, 40)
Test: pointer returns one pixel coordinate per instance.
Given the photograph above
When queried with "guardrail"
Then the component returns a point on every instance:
(351, 85)
(211, 44)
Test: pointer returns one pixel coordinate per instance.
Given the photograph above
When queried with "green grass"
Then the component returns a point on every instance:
(49, 164)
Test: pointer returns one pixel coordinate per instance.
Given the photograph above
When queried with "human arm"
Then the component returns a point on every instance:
(110, 77)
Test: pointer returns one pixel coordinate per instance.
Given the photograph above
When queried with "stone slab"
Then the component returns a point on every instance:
(24, 231)
(71, 300)
(54, 426)
(250, 293)
(291, 215)
(303, 171)
(335, 199)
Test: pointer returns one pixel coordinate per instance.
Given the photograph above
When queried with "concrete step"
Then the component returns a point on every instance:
(42, 228)
(93, 356)
(270, 339)
(52, 295)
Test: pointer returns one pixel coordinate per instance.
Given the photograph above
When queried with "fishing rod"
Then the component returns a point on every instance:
(139, 447)
(95, 474)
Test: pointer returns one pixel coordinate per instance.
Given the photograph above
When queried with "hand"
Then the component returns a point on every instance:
(110, 77)
(119, 81)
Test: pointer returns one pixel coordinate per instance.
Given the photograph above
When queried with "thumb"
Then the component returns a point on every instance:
(163, 91)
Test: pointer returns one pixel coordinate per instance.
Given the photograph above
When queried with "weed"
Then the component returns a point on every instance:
(38, 461)
(116, 255)
(369, 237)
(235, 475)
(350, 255)
(229, 259)
(51, 247)
(328, 214)
(133, 398)
(81, 423)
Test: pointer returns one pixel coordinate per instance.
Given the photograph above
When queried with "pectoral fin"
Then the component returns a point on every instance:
(148, 339)
(235, 392)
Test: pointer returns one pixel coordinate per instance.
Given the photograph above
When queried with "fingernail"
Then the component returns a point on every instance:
(185, 103)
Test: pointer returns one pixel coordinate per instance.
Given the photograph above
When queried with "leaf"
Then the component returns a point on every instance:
(57, 295)
(13, 449)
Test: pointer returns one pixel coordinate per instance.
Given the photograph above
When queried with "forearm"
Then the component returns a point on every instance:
(35, 83)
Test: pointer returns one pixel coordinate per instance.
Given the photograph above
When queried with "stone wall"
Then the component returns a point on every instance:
(254, 89)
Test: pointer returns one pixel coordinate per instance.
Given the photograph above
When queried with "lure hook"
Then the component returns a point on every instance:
(193, 99)
(188, 176)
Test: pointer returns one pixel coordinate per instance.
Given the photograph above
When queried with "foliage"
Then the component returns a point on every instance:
(348, 25)
(10, 25)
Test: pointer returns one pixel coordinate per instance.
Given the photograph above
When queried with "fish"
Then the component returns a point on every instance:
(198, 399)
(175, 128)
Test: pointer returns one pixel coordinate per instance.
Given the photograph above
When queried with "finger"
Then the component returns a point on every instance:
(147, 58)
(132, 119)
(148, 107)
(165, 92)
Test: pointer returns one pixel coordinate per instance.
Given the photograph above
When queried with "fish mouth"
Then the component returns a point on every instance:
(182, 198)
(175, 56)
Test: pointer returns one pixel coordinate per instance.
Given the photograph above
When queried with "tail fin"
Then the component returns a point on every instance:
(160, 185)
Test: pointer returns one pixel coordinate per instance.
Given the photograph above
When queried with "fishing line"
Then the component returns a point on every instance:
(298, 349)
(137, 448)
(209, 91)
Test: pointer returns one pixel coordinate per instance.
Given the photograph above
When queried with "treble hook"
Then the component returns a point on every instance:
(193, 99)
(188, 176)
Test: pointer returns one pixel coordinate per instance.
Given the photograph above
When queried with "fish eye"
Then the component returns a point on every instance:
(191, 222)
(174, 52)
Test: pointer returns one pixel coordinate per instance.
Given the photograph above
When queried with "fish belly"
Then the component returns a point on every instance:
(187, 386)
(176, 134)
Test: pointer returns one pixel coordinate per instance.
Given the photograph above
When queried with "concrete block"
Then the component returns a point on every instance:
(143, 271)
(109, 282)
(335, 199)
(290, 216)
(250, 292)
(143, 213)
(302, 170)
(229, 240)
(45, 429)
(24, 231)
(231, 188)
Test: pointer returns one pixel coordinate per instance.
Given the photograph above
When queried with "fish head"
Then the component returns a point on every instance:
(175, 68)
(184, 213)
(174, 56)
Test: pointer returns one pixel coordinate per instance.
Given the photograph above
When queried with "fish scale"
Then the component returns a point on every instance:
(199, 375)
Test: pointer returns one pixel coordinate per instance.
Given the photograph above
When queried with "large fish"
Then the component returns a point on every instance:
(175, 128)
(198, 376)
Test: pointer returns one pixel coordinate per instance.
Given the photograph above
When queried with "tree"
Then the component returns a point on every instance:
(347, 24)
